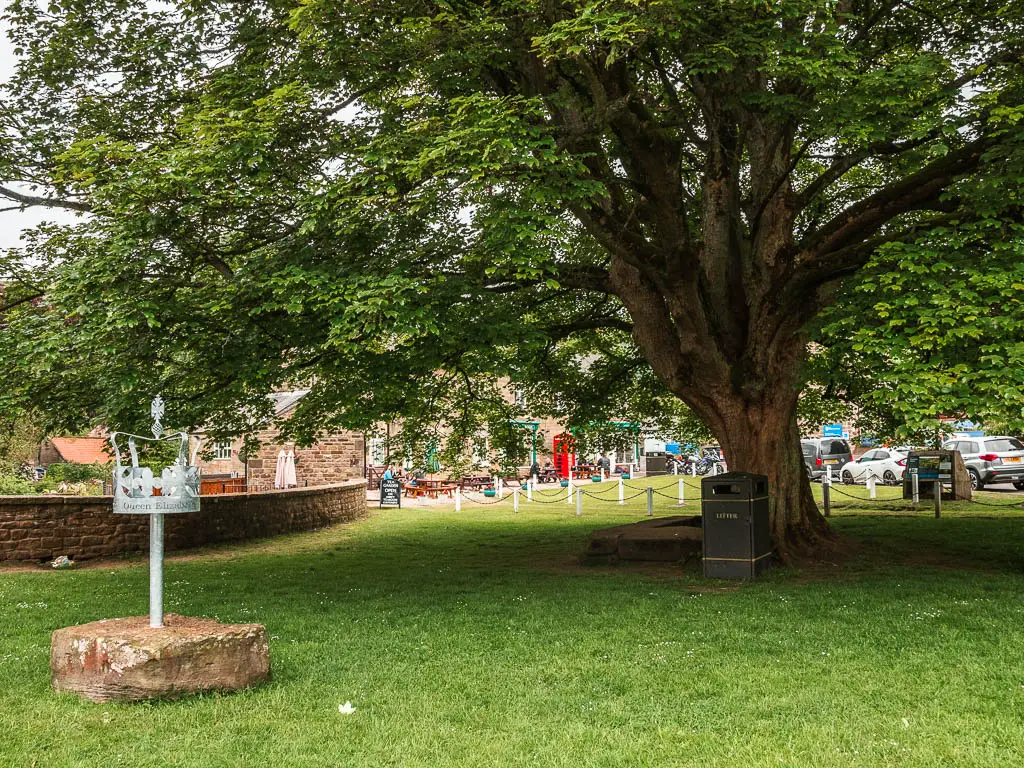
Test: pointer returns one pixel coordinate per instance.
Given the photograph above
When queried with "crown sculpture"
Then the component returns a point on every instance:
(141, 657)
(134, 485)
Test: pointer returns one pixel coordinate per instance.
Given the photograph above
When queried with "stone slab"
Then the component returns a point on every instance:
(127, 660)
(664, 539)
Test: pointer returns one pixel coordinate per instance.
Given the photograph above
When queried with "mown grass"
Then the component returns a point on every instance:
(474, 639)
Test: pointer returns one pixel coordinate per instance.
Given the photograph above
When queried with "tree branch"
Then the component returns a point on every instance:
(48, 202)
(845, 261)
(863, 219)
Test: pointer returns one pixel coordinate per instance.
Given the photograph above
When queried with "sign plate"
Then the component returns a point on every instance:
(151, 504)
(390, 493)
(831, 430)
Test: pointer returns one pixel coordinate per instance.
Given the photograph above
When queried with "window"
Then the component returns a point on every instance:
(222, 450)
(832, 447)
(1003, 444)
(481, 450)
(378, 450)
(869, 456)
(879, 455)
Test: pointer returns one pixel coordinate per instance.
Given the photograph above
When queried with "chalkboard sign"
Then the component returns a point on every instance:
(390, 493)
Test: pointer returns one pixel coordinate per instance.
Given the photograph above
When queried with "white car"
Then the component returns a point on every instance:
(886, 464)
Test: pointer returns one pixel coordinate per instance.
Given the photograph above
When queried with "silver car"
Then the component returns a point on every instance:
(997, 459)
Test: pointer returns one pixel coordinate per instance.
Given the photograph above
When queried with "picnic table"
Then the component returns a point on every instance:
(476, 483)
(429, 488)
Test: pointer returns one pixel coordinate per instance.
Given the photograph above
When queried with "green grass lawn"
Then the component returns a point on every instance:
(474, 639)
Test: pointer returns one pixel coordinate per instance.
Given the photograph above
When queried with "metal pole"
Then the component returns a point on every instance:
(915, 483)
(458, 499)
(828, 472)
(871, 484)
(156, 569)
(620, 491)
(826, 496)
(515, 500)
(568, 496)
(650, 501)
(579, 502)
(938, 499)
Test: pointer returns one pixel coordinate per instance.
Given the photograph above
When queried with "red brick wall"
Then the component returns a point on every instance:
(82, 527)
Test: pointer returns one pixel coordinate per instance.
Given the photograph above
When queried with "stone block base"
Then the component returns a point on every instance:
(662, 539)
(127, 660)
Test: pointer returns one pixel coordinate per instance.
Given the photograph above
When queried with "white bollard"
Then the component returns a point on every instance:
(529, 490)
(568, 496)
(579, 502)
(602, 475)
(515, 500)
(682, 492)
(501, 489)
(675, 468)
(828, 473)
(693, 469)
(871, 484)
(458, 499)
(915, 481)
(620, 491)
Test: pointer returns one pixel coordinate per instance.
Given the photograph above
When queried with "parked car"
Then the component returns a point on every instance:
(886, 464)
(820, 453)
(994, 459)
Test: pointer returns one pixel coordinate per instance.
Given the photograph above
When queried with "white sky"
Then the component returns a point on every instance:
(12, 223)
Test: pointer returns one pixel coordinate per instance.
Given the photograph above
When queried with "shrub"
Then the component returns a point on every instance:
(10, 485)
(77, 473)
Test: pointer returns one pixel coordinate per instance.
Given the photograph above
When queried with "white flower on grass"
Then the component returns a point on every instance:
(346, 708)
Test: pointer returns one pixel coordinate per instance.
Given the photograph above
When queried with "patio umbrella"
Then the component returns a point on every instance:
(279, 477)
(289, 471)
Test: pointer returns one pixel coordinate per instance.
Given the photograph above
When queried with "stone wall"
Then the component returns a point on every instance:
(82, 527)
(334, 459)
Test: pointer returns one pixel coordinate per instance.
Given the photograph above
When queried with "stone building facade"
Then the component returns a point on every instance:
(335, 458)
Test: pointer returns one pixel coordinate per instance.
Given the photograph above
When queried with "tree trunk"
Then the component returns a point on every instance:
(763, 437)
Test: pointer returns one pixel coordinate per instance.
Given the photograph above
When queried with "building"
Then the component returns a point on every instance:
(336, 457)
(74, 450)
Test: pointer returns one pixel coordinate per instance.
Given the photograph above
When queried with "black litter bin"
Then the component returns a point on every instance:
(656, 464)
(737, 534)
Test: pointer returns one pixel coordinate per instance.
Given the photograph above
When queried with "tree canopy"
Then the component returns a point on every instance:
(398, 201)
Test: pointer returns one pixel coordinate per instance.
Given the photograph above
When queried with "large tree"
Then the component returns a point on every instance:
(391, 198)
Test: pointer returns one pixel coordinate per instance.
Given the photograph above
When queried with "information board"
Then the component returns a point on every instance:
(390, 493)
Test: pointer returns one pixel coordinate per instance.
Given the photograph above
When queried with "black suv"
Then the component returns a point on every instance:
(820, 453)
